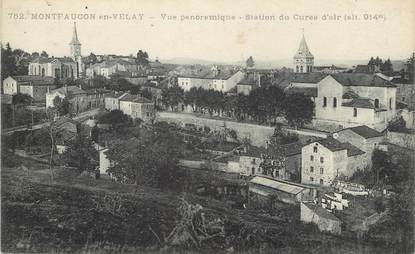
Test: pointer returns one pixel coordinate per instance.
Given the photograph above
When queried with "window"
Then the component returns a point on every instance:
(355, 112)
(297, 70)
(253, 161)
(301, 68)
(376, 103)
(324, 101)
(403, 98)
(321, 171)
(321, 181)
(311, 179)
(315, 149)
(390, 103)
(311, 158)
(311, 169)
(322, 159)
(334, 102)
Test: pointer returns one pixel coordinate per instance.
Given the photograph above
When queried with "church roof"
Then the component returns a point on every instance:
(303, 50)
(43, 60)
(75, 36)
(361, 79)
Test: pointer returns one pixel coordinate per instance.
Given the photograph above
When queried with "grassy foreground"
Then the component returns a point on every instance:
(82, 215)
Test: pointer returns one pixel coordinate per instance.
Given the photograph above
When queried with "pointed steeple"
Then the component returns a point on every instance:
(75, 40)
(303, 50)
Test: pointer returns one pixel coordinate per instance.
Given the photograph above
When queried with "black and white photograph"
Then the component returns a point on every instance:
(216, 126)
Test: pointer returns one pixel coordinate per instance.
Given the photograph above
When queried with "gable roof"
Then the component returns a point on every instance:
(334, 145)
(247, 81)
(34, 80)
(365, 131)
(307, 91)
(222, 75)
(361, 79)
(69, 91)
(277, 185)
(43, 60)
(359, 103)
(135, 98)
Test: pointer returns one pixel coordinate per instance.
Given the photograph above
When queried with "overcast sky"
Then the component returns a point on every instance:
(213, 40)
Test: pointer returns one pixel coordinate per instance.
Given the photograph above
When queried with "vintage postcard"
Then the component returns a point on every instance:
(216, 126)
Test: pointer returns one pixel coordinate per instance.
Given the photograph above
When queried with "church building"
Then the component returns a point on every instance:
(60, 67)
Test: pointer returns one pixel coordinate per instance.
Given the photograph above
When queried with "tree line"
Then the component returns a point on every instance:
(263, 105)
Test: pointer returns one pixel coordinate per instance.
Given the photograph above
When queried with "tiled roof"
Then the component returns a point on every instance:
(365, 131)
(43, 60)
(34, 80)
(350, 95)
(277, 185)
(335, 145)
(312, 78)
(69, 91)
(352, 150)
(223, 75)
(361, 79)
(115, 95)
(320, 211)
(247, 82)
(307, 91)
(286, 150)
(359, 103)
(135, 98)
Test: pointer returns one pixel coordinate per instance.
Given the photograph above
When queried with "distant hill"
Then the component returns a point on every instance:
(279, 63)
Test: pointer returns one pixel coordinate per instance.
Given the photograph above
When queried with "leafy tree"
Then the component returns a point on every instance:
(172, 96)
(62, 106)
(398, 125)
(35, 54)
(92, 58)
(142, 58)
(8, 64)
(44, 54)
(80, 153)
(298, 109)
(19, 113)
(250, 62)
(149, 158)
(387, 67)
(116, 118)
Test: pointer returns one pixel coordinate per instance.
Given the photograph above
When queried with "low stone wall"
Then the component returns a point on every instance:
(257, 134)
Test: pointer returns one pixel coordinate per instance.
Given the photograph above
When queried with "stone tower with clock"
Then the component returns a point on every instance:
(303, 59)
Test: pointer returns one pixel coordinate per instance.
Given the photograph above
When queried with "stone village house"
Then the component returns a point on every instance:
(327, 159)
(34, 86)
(79, 99)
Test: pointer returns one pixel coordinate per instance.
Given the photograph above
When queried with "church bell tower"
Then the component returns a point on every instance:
(76, 51)
(303, 59)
